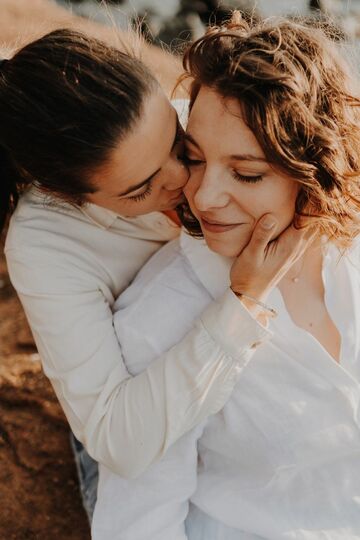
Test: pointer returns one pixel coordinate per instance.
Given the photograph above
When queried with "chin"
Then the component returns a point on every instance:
(227, 244)
(226, 249)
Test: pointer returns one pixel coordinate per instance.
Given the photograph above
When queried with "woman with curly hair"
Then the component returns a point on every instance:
(274, 128)
(90, 166)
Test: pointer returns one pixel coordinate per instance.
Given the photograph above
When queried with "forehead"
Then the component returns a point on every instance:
(145, 149)
(150, 136)
(217, 121)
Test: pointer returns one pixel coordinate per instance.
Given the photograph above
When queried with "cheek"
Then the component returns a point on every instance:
(174, 175)
(191, 188)
(275, 197)
(286, 203)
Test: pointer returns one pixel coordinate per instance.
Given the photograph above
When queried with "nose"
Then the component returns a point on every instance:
(209, 192)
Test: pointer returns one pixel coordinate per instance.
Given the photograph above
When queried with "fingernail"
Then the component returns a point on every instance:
(268, 222)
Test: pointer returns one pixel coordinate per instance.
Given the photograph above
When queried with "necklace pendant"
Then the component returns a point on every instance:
(295, 280)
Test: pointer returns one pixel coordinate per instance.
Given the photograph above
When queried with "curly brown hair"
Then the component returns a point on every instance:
(298, 97)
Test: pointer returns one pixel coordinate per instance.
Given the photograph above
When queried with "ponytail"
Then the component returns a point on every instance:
(10, 182)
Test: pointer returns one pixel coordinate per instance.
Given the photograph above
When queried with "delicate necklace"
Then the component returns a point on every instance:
(296, 278)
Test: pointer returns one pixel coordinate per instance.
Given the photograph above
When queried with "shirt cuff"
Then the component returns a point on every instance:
(232, 326)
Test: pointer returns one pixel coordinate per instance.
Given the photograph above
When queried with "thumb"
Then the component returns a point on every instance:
(262, 234)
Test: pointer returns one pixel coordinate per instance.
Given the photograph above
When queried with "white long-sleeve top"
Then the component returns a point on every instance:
(68, 265)
(281, 460)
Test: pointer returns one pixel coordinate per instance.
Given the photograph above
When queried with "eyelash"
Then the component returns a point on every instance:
(249, 179)
(189, 161)
(237, 176)
(143, 195)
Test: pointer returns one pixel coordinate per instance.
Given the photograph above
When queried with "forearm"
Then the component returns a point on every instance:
(177, 391)
(23, 21)
(128, 416)
(134, 425)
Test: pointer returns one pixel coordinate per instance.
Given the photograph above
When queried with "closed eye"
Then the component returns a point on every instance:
(246, 178)
(190, 161)
(143, 195)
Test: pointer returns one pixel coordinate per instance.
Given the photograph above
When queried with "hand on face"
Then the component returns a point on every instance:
(264, 262)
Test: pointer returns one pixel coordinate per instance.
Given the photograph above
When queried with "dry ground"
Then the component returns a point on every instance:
(39, 496)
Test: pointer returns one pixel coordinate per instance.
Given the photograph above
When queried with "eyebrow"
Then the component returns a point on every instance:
(238, 157)
(149, 178)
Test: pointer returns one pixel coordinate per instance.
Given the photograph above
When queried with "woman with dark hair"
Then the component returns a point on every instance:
(91, 143)
(274, 128)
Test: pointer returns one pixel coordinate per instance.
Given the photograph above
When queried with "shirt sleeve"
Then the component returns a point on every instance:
(128, 422)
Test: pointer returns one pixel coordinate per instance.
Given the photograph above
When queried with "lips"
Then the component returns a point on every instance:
(217, 226)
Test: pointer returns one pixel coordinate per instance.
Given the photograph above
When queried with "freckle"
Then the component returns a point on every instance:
(310, 324)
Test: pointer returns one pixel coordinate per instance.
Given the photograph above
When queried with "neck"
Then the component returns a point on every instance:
(308, 266)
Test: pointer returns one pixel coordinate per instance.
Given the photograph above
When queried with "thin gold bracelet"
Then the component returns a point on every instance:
(271, 312)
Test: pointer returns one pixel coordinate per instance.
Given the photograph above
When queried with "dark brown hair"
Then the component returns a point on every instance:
(296, 95)
(65, 101)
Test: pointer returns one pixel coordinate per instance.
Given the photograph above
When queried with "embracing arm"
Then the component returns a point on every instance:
(23, 21)
(127, 422)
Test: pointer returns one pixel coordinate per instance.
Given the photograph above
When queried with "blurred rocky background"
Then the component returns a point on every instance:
(173, 21)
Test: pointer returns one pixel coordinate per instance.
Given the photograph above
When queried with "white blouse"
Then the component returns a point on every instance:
(281, 460)
(68, 266)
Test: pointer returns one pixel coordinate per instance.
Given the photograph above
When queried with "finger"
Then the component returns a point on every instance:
(262, 235)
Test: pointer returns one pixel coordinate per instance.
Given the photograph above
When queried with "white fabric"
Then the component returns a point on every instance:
(68, 265)
(148, 316)
(281, 460)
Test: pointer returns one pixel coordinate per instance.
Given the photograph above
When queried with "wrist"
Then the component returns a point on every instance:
(255, 306)
(260, 294)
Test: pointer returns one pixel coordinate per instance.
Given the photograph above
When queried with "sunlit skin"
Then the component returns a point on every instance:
(231, 184)
(143, 173)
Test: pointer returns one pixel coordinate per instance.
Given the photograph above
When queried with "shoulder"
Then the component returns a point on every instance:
(349, 258)
(354, 251)
(38, 220)
(51, 246)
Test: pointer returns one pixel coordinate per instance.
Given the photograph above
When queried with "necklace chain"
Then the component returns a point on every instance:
(296, 278)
